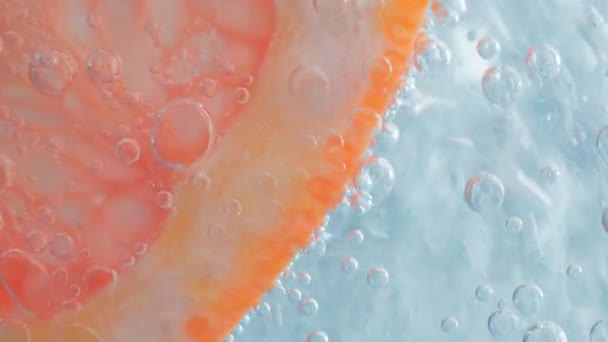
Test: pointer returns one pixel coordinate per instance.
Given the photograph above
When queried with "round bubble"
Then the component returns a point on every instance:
(545, 331)
(488, 48)
(528, 299)
(502, 323)
(599, 332)
(544, 61)
(484, 192)
(501, 85)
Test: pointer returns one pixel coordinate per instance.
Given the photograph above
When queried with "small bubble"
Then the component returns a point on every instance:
(501, 85)
(356, 237)
(209, 87)
(435, 56)
(308, 84)
(528, 298)
(449, 324)
(377, 277)
(61, 245)
(484, 192)
(484, 293)
(182, 134)
(233, 208)
(164, 199)
(241, 95)
(35, 241)
(545, 331)
(262, 309)
(514, 225)
(127, 151)
(544, 61)
(309, 306)
(488, 48)
(294, 295)
(389, 136)
(52, 71)
(599, 332)
(317, 336)
(104, 66)
(574, 271)
(304, 278)
(377, 178)
(349, 265)
(502, 323)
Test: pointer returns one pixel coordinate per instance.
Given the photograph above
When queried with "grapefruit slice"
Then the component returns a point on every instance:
(163, 161)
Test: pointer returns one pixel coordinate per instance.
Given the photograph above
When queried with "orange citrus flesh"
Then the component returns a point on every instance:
(163, 161)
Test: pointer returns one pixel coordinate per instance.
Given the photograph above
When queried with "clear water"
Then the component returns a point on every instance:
(494, 186)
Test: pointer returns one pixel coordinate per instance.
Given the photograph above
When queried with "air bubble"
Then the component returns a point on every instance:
(164, 199)
(484, 192)
(52, 71)
(356, 237)
(294, 295)
(127, 151)
(35, 241)
(435, 57)
(528, 299)
(514, 225)
(488, 48)
(104, 66)
(309, 306)
(574, 271)
(544, 61)
(501, 85)
(61, 246)
(309, 84)
(317, 336)
(545, 332)
(502, 323)
(349, 265)
(377, 178)
(599, 332)
(241, 95)
(182, 134)
(484, 293)
(449, 324)
(377, 277)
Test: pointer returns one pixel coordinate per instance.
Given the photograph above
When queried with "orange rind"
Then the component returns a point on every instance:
(163, 161)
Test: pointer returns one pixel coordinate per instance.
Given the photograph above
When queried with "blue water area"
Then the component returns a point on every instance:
(483, 219)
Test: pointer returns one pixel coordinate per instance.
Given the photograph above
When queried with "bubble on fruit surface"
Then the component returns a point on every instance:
(544, 61)
(488, 48)
(104, 66)
(182, 133)
(52, 71)
(599, 332)
(528, 299)
(501, 85)
(377, 178)
(484, 192)
(545, 331)
(435, 55)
